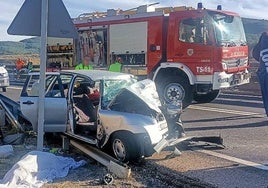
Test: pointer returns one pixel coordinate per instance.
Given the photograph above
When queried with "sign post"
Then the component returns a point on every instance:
(44, 18)
(42, 78)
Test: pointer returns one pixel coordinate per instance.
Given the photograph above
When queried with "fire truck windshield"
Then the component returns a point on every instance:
(229, 29)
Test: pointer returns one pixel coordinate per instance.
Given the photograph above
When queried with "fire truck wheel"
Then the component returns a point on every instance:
(175, 89)
(207, 97)
(124, 147)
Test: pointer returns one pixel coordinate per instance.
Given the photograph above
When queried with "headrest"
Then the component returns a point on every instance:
(81, 89)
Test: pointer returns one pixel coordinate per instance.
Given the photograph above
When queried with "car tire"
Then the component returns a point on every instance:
(176, 88)
(124, 146)
(209, 97)
(4, 89)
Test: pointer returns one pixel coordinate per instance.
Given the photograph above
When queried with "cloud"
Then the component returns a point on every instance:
(246, 8)
(8, 11)
(84, 6)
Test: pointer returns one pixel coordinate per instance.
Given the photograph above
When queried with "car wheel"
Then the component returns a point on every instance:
(173, 89)
(207, 97)
(124, 147)
(4, 89)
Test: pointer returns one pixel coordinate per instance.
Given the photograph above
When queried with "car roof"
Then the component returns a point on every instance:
(100, 74)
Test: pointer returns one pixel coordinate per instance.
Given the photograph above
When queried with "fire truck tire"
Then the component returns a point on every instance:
(176, 88)
(124, 147)
(209, 97)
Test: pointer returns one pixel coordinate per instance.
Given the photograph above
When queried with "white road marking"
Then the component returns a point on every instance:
(228, 94)
(223, 156)
(234, 159)
(14, 87)
(197, 107)
(240, 100)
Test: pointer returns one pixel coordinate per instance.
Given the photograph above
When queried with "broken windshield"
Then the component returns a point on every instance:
(229, 29)
(110, 88)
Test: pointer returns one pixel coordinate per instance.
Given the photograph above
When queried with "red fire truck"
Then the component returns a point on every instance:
(190, 53)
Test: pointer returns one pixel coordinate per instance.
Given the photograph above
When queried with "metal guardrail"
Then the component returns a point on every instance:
(121, 170)
(12, 111)
(114, 166)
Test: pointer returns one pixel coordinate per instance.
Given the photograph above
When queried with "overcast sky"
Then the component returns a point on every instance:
(246, 8)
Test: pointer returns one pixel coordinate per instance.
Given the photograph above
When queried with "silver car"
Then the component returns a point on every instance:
(102, 108)
(4, 78)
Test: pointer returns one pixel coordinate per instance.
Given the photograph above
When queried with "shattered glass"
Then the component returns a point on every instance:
(112, 87)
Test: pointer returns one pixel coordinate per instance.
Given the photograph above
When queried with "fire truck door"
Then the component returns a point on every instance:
(193, 42)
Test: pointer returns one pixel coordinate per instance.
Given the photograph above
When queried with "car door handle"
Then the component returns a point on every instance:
(28, 102)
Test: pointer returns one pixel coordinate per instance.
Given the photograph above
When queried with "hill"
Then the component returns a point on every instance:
(26, 46)
(253, 29)
(255, 26)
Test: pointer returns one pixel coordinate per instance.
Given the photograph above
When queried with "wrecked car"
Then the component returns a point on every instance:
(102, 108)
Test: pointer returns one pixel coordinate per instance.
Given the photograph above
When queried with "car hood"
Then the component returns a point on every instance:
(146, 91)
(139, 98)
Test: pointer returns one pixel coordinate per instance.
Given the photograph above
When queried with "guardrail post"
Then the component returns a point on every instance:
(65, 143)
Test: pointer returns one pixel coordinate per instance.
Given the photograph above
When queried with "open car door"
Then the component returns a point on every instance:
(55, 112)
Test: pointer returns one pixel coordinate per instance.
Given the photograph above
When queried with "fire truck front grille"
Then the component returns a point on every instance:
(236, 63)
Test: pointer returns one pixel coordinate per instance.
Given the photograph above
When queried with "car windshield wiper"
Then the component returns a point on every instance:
(243, 43)
(228, 43)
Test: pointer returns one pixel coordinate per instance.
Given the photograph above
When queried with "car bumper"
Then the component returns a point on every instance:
(224, 80)
(172, 141)
(146, 147)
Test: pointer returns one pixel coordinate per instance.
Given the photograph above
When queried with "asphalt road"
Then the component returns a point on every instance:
(242, 123)
(240, 119)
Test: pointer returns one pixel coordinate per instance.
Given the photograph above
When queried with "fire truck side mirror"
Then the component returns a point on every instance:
(153, 47)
